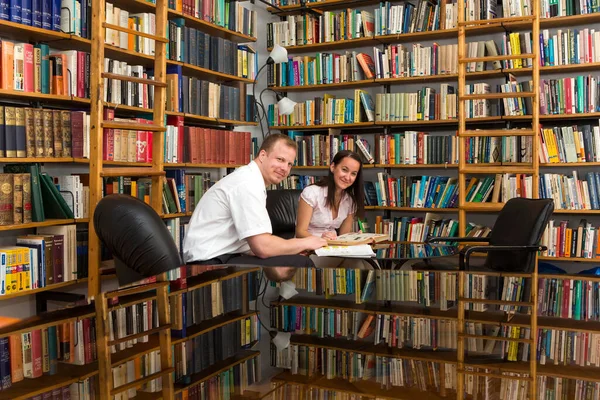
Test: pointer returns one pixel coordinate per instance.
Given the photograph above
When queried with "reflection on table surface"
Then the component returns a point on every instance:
(411, 250)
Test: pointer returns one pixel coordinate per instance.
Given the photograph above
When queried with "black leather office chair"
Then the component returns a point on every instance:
(137, 237)
(514, 238)
(282, 206)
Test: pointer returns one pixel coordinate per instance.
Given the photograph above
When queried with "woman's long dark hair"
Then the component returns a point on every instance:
(355, 191)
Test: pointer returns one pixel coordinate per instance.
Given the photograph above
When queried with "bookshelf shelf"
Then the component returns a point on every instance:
(328, 126)
(45, 320)
(572, 259)
(212, 324)
(217, 368)
(204, 73)
(137, 350)
(194, 165)
(217, 121)
(578, 164)
(33, 96)
(409, 37)
(361, 388)
(176, 215)
(212, 29)
(16, 31)
(212, 276)
(42, 289)
(410, 79)
(412, 209)
(416, 166)
(326, 167)
(335, 45)
(36, 160)
(67, 374)
(325, 86)
(48, 222)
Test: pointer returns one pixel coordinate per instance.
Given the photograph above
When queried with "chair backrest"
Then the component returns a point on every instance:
(521, 222)
(282, 206)
(137, 237)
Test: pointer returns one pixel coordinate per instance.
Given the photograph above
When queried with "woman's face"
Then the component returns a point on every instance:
(345, 172)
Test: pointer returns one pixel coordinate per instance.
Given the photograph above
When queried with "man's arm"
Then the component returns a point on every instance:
(303, 218)
(266, 245)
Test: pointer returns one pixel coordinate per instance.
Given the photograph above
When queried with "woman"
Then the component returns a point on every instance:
(333, 202)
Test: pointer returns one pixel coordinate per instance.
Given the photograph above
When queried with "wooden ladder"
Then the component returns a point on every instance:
(524, 168)
(129, 296)
(98, 124)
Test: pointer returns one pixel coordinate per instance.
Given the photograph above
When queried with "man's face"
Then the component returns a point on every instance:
(277, 163)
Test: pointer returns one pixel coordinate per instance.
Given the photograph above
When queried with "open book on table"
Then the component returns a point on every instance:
(353, 239)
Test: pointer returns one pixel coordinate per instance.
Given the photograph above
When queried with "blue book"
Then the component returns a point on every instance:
(4, 10)
(46, 15)
(14, 11)
(26, 12)
(56, 10)
(36, 13)
(45, 67)
(5, 379)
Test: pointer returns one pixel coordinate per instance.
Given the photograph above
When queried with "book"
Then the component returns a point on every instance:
(353, 239)
(358, 251)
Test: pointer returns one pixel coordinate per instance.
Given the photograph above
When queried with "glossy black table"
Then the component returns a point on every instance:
(394, 255)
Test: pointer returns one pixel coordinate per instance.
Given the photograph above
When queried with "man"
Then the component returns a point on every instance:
(231, 225)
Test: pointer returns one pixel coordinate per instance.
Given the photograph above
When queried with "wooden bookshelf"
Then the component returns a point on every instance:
(66, 375)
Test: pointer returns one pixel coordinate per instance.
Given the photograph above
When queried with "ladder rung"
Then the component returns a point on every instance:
(141, 381)
(500, 302)
(496, 58)
(134, 32)
(134, 79)
(497, 170)
(498, 21)
(132, 126)
(139, 335)
(494, 375)
(498, 132)
(131, 171)
(135, 289)
(497, 338)
(493, 96)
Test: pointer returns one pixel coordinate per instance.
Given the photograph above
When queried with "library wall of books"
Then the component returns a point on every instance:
(454, 108)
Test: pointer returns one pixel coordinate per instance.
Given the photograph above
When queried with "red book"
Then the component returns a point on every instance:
(177, 120)
(36, 352)
(80, 91)
(28, 75)
(108, 140)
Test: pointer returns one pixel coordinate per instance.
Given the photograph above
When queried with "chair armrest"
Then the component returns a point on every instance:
(465, 253)
(456, 239)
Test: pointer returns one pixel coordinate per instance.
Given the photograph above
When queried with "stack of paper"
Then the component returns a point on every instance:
(359, 251)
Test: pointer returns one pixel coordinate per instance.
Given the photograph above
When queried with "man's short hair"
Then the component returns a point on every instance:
(270, 141)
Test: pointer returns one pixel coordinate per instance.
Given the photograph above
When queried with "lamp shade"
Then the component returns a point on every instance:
(286, 106)
(277, 55)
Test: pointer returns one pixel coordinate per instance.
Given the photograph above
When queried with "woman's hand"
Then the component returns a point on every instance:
(329, 235)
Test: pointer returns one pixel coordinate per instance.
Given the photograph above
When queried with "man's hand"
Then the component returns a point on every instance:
(329, 235)
(314, 242)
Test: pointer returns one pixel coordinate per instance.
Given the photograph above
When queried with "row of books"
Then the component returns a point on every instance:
(323, 68)
(189, 309)
(42, 351)
(319, 150)
(495, 149)
(398, 61)
(206, 145)
(568, 47)
(139, 22)
(412, 147)
(564, 241)
(194, 47)
(39, 69)
(225, 384)
(294, 182)
(416, 229)
(326, 110)
(568, 298)
(219, 12)
(568, 144)
(118, 91)
(299, 30)
(391, 19)
(203, 351)
(140, 367)
(422, 105)
(208, 99)
(75, 20)
(570, 192)
(412, 191)
(85, 390)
